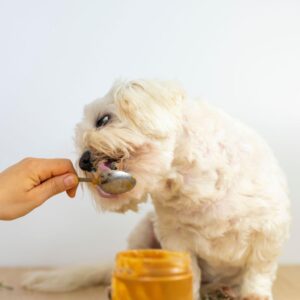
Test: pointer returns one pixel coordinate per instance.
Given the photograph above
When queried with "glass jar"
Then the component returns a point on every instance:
(152, 275)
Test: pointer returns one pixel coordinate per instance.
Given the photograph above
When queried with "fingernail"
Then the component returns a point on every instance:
(70, 181)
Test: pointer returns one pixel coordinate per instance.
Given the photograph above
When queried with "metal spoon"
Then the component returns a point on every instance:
(113, 181)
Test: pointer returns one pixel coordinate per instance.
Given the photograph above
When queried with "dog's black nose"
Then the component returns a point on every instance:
(85, 162)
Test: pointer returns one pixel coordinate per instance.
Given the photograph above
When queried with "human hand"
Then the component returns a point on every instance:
(29, 183)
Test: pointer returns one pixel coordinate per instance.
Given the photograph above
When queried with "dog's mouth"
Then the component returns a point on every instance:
(103, 165)
(112, 164)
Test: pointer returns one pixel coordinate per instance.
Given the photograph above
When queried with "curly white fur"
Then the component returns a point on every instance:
(216, 187)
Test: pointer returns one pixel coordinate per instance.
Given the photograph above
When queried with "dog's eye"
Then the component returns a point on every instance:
(103, 121)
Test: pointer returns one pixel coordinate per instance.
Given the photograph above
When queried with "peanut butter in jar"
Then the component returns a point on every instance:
(152, 275)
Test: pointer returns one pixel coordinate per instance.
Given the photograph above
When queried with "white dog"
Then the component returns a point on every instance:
(216, 187)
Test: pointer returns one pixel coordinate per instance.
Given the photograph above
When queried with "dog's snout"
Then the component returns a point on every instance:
(85, 162)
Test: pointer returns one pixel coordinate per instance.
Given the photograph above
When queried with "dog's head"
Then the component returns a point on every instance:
(132, 128)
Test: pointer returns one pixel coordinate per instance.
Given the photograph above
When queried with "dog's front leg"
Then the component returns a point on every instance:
(196, 277)
(257, 282)
(170, 244)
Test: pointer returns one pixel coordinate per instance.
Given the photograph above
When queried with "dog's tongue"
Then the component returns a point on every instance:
(102, 167)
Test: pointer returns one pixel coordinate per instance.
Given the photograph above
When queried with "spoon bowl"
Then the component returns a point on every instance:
(113, 181)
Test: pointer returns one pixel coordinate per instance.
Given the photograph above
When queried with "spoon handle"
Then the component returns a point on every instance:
(84, 179)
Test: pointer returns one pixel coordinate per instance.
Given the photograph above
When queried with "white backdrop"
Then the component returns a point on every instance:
(58, 55)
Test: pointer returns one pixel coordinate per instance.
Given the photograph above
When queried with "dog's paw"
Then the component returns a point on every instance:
(38, 281)
(256, 297)
(223, 292)
(49, 281)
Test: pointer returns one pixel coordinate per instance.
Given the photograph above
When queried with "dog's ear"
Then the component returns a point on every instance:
(153, 107)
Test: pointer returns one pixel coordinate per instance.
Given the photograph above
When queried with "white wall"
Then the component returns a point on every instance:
(58, 55)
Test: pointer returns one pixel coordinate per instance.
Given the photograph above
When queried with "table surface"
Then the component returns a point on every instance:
(287, 287)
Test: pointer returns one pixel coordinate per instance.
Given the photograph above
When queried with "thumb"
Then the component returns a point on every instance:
(55, 185)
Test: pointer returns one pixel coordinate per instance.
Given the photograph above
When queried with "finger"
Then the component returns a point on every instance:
(72, 192)
(47, 168)
(53, 186)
